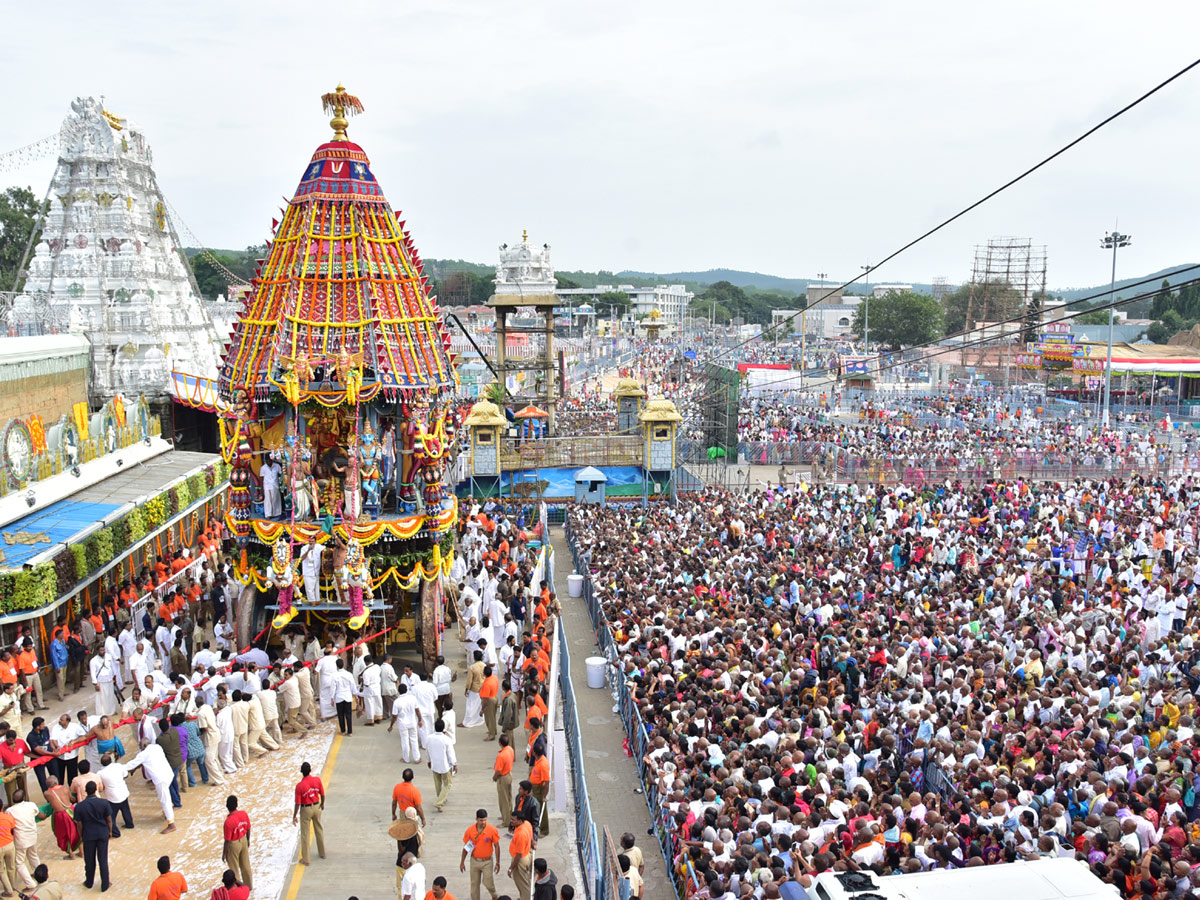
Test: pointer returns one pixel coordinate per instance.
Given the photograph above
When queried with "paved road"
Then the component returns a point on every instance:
(612, 776)
(361, 856)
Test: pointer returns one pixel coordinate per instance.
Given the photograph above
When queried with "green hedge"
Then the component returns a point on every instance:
(81, 569)
(136, 522)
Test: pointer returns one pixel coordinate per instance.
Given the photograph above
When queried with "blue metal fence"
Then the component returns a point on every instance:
(636, 731)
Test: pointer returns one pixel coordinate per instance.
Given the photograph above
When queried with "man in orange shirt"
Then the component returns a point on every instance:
(179, 563)
(28, 663)
(160, 571)
(540, 777)
(438, 891)
(482, 842)
(488, 693)
(168, 885)
(520, 870)
(406, 796)
(502, 775)
(8, 857)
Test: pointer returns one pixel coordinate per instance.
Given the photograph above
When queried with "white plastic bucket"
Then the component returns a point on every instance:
(595, 671)
(575, 585)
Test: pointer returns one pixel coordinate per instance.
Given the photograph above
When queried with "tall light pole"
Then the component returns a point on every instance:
(867, 316)
(1111, 241)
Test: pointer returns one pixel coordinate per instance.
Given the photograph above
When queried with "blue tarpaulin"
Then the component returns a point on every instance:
(39, 531)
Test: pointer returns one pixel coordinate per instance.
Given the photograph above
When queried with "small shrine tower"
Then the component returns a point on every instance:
(525, 280)
(630, 397)
(659, 421)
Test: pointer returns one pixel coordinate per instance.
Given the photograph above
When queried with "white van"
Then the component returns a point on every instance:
(1047, 879)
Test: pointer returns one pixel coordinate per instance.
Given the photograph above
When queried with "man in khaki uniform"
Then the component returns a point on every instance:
(310, 801)
(236, 850)
(308, 706)
(268, 702)
(289, 694)
(258, 739)
(206, 721)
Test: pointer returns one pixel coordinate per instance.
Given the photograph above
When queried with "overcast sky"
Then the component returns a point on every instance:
(789, 138)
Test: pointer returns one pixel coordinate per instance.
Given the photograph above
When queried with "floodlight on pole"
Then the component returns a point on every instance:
(1111, 242)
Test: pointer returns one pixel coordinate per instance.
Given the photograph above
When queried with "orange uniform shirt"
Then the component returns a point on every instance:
(490, 687)
(168, 887)
(541, 771)
(28, 662)
(485, 841)
(406, 795)
(504, 761)
(522, 840)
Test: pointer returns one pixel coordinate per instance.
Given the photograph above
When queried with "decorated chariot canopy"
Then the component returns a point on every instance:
(335, 388)
(342, 291)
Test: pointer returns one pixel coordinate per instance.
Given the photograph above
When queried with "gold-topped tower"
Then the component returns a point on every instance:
(342, 105)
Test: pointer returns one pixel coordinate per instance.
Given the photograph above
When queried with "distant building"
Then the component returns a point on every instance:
(672, 300)
(825, 320)
(824, 294)
(882, 290)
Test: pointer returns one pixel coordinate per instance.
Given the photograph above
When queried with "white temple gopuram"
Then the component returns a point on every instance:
(109, 265)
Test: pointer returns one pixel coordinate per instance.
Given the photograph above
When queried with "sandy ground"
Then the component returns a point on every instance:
(264, 789)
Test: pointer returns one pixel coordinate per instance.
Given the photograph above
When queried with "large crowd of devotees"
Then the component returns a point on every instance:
(176, 705)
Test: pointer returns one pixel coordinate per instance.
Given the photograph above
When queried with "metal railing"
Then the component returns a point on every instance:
(636, 731)
(607, 450)
(586, 839)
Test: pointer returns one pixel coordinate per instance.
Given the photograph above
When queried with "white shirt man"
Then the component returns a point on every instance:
(412, 885)
(404, 718)
(310, 570)
(139, 665)
(223, 634)
(388, 681)
(112, 650)
(162, 646)
(227, 733)
(204, 658)
(442, 677)
(115, 789)
(372, 691)
(154, 763)
(426, 696)
(101, 669)
(127, 640)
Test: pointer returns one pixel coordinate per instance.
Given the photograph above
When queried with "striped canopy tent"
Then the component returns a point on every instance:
(342, 274)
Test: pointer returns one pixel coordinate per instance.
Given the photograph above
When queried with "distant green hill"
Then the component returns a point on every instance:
(440, 269)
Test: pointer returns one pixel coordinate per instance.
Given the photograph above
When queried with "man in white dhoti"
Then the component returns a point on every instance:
(101, 669)
(139, 664)
(128, 642)
(112, 649)
(326, 667)
(310, 568)
(158, 770)
(272, 499)
(405, 717)
(371, 680)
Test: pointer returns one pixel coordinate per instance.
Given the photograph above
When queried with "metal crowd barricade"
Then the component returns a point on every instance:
(635, 728)
(585, 827)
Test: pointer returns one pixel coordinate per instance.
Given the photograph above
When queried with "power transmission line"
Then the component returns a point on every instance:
(962, 212)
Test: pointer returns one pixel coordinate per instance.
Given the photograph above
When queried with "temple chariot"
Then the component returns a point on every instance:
(336, 387)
